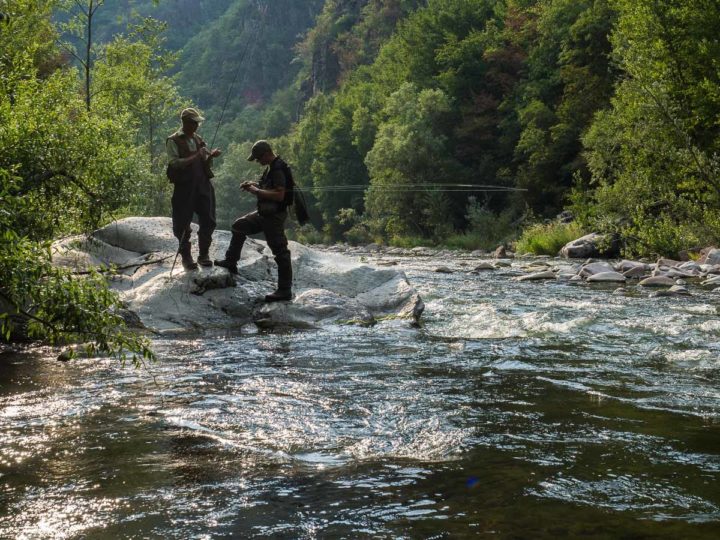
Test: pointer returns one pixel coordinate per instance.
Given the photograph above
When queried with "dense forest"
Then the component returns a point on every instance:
(607, 109)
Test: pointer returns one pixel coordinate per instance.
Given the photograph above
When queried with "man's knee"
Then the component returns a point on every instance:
(245, 226)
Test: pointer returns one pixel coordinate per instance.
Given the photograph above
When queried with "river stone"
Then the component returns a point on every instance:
(484, 266)
(443, 270)
(691, 266)
(672, 291)
(342, 288)
(607, 277)
(638, 272)
(712, 281)
(588, 246)
(712, 257)
(548, 274)
(657, 281)
(679, 290)
(670, 263)
(312, 307)
(595, 268)
(502, 263)
(677, 273)
(499, 252)
(625, 265)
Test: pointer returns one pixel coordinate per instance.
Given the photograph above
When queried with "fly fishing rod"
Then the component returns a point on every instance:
(252, 39)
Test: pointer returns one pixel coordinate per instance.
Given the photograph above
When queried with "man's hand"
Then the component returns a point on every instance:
(251, 187)
(215, 152)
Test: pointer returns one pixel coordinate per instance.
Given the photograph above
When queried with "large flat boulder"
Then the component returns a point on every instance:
(328, 287)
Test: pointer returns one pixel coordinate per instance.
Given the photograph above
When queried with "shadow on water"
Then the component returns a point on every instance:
(517, 410)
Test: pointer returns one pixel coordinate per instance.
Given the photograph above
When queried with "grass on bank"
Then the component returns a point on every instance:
(547, 238)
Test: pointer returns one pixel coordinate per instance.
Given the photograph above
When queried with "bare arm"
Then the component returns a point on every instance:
(274, 194)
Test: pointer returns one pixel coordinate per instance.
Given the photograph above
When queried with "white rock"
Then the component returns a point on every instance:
(712, 281)
(607, 277)
(329, 287)
(595, 268)
(657, 281)
(548, 274)
(625, 265)
(713, 257)
(690, 266)
(636, 273)
(679, 290)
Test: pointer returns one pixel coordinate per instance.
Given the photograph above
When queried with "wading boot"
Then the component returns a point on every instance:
(187, 261)
(281, 295)
(231, 266)
(232, 255)
(203, 258)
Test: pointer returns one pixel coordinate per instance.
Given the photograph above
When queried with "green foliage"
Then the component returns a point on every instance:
(410, 152)
(548, 238)
(653, 155)
(486, 229)
(63, 169)
(232, 202)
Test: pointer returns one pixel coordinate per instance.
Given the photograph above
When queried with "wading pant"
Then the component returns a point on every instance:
(189, 200)
(272, 226)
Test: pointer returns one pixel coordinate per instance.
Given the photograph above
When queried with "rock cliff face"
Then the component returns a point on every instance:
(328, 287)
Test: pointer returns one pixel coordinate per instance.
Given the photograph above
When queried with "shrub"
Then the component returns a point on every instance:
(547, 238)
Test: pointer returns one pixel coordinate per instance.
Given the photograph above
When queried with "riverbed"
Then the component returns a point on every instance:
(517, 409)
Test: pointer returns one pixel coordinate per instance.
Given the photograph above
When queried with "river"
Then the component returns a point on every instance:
(521, 410)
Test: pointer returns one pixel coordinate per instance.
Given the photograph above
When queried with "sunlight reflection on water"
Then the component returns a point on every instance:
(552, 402)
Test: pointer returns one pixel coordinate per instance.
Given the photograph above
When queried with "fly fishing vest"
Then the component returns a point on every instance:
(197, 172)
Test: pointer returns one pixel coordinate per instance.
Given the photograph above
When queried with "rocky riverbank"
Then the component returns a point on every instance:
(329, 288)
(663, 277)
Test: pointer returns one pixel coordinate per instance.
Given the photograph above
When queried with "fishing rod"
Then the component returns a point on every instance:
(250, 42)
(252, 39)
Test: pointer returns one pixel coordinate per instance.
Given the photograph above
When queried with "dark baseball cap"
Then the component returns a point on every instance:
(259, 149)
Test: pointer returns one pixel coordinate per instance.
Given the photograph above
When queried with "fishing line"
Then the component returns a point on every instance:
(257, 31)
(417, 188)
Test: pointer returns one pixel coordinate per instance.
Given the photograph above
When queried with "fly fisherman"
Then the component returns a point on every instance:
(189, 171)
(269, 218)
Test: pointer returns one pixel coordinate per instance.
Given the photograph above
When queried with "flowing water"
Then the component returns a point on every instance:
(522, 410)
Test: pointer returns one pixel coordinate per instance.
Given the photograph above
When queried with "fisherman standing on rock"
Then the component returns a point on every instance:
(189, 171)
(273, 192)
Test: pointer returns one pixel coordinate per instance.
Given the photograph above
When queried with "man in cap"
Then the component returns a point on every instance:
(189, 171)
(269, 218)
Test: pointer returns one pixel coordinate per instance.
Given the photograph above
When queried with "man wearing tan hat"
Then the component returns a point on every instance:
(272, 193)
(189, 162)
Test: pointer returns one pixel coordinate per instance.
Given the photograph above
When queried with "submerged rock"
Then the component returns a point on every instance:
(328, 287)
